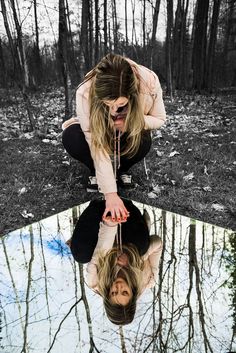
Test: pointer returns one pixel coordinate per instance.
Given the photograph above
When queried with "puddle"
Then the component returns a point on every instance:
(47, 307)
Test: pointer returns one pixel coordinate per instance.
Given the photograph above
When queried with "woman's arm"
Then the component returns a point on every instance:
(106, 237)
(153, 257)
(156, 117)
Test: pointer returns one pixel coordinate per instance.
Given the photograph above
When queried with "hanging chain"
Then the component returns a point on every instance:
(116, 167)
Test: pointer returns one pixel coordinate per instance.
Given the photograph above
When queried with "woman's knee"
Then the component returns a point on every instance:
(74, 142)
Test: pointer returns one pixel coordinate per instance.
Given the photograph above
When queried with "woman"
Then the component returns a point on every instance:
(116, 105)
(118, 269)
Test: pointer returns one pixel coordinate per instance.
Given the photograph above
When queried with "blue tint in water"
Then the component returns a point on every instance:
(58, 247)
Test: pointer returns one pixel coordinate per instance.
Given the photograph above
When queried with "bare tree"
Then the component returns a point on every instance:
(200, 44)
(154, 30)
(64, 60)
(97, 29)
(38, 69)
(169, 34)
(105, 27)
(212, 45)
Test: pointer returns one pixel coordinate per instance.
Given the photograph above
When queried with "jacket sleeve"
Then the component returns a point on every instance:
(153, 256)
(106, 237)
(156, 117)
(102, 162)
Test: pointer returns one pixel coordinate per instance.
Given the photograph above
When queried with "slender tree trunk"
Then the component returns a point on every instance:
(21, 47)
(154, 30)
(144, 25)
(169, 33)
(199, 44)
(115, 25)
(3, 73)
(96, 51)
(105, 28)
(91, 30)
(212, 45)
(18, 58)
(126, 25)
(63, 56)
(73, 58)
(38, 73)
(84, 40)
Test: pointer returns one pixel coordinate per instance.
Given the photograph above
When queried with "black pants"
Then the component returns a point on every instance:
(76, 145)
(85, 235)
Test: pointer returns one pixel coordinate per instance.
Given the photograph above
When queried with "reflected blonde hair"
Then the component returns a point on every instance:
(107, 273)
(112, 78)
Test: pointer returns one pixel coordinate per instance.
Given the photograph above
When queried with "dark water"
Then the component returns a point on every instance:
(46, 307)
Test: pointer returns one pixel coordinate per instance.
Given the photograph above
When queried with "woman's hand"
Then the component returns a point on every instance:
(109, 222)
(116, 207)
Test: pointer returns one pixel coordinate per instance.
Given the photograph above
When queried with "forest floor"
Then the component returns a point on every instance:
(190, 170)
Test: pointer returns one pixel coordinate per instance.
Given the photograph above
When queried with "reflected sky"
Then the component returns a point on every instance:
(47, 307)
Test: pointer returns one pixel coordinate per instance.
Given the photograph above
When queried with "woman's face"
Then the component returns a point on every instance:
(120, 292)
(115, 104)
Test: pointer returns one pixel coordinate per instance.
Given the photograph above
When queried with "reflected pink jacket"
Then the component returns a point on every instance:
(154, 116)
(106, 237)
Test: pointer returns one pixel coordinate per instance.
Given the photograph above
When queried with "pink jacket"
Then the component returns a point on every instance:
(154, 116)
(106, 237)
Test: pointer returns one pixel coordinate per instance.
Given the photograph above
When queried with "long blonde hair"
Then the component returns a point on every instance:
(112, 78)
(107, 273)
(108, 269)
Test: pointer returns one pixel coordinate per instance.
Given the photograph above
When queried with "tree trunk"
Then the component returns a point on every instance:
(154, 30)
(199, 45)
(115, 25)
(144, 25)
(3, 75)
(96, 51)
(211, 47)
(18, 58)
(105, 28)
(169, 33)
(38, 69)
(228, 36)
(63, 57)
(73, 59)
(180, 45)
(84, 39)
(21, 47)
(126, 25)
(91, 30)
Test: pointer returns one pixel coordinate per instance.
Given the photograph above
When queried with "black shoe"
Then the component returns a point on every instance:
(92, 185)
(125, 181)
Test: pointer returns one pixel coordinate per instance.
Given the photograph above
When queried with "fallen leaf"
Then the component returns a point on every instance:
(205, 170)
(152, 195)
(207, 188)
(188, 177)
(26, 215)
(217, 207)
(22, 190)
(159, 154)
(157, 189)
(174, 153)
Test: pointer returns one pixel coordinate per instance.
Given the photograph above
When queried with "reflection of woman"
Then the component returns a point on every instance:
(119, 277)
(121, 101)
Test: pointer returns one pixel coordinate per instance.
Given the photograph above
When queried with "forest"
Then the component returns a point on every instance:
(46, 48)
